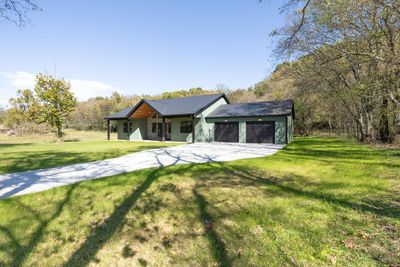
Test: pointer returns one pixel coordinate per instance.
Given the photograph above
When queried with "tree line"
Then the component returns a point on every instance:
(346, 72)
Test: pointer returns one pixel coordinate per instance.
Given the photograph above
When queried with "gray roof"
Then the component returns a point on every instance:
(268, 108)
(174, 106)
(120, 114)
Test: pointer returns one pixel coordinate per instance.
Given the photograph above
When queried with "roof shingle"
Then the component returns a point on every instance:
(267, 108)
(173, 106)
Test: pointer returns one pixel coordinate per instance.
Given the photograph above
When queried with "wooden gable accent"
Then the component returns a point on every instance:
(143, 111)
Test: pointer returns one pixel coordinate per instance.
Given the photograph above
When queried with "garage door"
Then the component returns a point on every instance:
(260, 132)
(226, 132)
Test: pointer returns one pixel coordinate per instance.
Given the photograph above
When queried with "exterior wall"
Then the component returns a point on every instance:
(280, 126)
(139, 131)
(141, 128)
(290, 128)
(120, 130)
(203, 129)
(154, 136)
(176, 134)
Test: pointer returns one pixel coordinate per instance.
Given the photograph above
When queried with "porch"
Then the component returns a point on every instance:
(145, 123)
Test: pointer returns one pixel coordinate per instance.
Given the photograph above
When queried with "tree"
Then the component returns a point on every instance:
(2, 115)
(23, 111)
(186, 93)
(56, 101)
(349, 51)
(16, 11)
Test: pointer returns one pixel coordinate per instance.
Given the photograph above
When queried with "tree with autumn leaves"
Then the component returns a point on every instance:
(50, 102)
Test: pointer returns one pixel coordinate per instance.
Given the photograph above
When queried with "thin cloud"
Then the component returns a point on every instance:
(20, 79)
(83, 89)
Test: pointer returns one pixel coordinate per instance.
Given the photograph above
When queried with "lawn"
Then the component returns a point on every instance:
(21, 153)
(319, 201)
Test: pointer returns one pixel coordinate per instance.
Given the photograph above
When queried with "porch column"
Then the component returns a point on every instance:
(128, 130)
(156, 138)
(108, 129)
(193, 131)
(163, 129)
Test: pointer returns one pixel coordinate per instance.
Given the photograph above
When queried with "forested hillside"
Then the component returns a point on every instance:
(347, 72)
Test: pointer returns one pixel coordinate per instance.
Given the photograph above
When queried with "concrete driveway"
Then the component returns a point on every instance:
(38, 180)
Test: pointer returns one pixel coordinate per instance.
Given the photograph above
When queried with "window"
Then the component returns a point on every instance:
(157, 128)
(186, 126)
(154, 128)
(168, 125)
(126, 127)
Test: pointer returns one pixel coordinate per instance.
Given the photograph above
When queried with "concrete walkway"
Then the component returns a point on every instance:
(38, 180)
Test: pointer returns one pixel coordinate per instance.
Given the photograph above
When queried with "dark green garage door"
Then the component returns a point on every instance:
(260, 132)
(226, 132)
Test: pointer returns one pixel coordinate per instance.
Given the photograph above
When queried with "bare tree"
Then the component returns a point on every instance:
(16, 11)
(351, 49)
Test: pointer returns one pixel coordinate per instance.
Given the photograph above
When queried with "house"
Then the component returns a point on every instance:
(206, 118)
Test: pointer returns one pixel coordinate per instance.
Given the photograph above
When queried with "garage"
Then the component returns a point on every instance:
(260, 132)
(267, 122)
(226, 132)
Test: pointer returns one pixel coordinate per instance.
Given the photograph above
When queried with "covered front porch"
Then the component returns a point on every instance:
(146, 123)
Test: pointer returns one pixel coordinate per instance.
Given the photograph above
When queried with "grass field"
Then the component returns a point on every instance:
(320, 201)
(21, 153)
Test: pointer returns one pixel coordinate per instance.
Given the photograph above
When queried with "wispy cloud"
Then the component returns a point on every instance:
(83, 89)
(19, 79)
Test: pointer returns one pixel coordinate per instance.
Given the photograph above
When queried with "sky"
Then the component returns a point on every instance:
(140, 47)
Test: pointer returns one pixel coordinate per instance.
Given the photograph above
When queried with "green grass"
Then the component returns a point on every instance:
(21, 153)
(320, 201)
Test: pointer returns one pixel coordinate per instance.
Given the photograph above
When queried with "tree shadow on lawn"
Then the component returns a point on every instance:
(218, 249)
(21, 252)
(102, 233)
(252, 177)
(8, 145)
(234, 176)
(334, 147)
(208, 177)
(246, 177)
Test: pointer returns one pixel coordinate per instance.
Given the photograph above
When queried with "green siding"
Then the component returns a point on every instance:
(280, 126)
(139, 131)
(204, 130)
(290, 128)
(120, 130)
(176, 134)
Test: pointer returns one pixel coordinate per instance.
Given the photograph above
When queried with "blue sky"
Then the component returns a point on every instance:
(139, 46)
